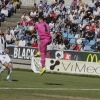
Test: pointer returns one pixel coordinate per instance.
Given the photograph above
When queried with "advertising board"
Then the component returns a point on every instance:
(68, 67)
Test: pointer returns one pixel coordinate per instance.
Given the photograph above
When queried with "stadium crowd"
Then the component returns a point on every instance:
(73, 27)
(7, 8)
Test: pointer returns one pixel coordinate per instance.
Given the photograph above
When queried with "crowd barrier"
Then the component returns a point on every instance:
(73, 62)
(26, 53)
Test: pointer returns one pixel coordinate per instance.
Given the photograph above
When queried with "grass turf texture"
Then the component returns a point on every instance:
(27, 79)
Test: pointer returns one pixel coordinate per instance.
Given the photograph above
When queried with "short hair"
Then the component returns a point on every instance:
(41, 17)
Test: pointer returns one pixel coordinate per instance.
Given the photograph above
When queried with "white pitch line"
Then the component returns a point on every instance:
(50, 89)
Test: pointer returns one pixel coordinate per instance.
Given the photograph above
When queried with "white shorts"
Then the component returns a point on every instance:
(5, 58)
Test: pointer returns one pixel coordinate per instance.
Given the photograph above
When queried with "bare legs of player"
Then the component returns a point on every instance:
(9, 66)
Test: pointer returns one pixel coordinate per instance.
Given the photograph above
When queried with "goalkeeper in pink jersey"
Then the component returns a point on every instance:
(45, 39)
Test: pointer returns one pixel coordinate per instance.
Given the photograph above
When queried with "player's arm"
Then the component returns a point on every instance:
(6, 49)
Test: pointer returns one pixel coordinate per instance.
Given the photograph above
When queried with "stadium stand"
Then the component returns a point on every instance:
(78, 21)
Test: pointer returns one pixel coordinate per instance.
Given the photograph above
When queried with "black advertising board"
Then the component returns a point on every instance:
(22, 52)
(26, 53)
(66, 55)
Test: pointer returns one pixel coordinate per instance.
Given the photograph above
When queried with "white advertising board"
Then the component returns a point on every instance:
(68, 67)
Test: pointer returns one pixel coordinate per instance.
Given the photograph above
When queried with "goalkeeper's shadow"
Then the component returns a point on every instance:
(53, 84)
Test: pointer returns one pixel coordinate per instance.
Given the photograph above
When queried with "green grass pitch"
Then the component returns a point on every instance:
(27, 85)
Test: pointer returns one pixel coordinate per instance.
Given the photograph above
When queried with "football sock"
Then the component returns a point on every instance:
(43, 60)
(9, 73)
(2, 69)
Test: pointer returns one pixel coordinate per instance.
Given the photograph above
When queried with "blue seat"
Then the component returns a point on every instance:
(79, 20)
(72, 41)
(70, 48)
(20, 36)
(84, 20)
(64, 34)
(77, 36)
(70, 36)
(92, 42)
(88, 48)
(62, 29)
(85, 42)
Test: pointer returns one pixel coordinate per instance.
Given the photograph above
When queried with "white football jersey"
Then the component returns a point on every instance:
(2, 43)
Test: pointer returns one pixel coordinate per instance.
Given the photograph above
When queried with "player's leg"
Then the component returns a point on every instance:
(10, 66)
(4, 64)
(43, 49)
(2, 69)
(9, 71)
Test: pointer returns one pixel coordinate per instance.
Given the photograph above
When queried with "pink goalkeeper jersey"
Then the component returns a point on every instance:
(43, 30)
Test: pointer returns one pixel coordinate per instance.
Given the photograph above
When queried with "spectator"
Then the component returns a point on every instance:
(97, 48)
(35, 7)
(82, 13)
(8, 38)
(48, 19)
(53, 15)
(53, 34)
(10, 9)
(88, 14)
(74, 25)
(16, 42)
(98, 38)
(15, 5)
(97, 30)
(28, 44)
(4, 11)
(90, 35)
(22, 42)
(82, 48)
(92, 5)
(51, 25)
(44, 1)
(26, 27)
(67, 44)
(31, 22)
(61, 1)
(34, 44)
(40, 11)
(57, 12)
(74, 3)
(71, 15)
(96, 14)
(61, 6)
(81, 3)
(61, 46)
(60, 39)
(24, 16)
(55, 45)
(2, 18)
(75, 47)
(19, 4)
(81, 28)
(97, 3)
(24, 21)
(40, 4)
(14, 35)
(86, 29)
(33, 13)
